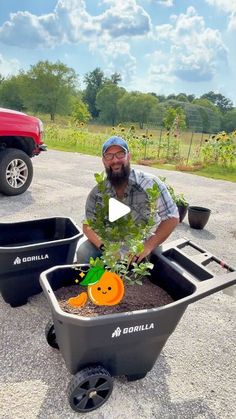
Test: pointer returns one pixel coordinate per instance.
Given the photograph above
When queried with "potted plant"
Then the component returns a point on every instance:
(179, 199)
(182, 205)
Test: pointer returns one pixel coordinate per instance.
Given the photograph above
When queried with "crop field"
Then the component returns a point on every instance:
(204, 154)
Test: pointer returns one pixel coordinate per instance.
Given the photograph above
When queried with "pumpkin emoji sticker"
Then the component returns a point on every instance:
(105, 288)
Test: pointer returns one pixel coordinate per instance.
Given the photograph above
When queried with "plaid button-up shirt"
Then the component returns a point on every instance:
(136, 197)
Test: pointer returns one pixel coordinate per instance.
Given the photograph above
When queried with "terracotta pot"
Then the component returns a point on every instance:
(182, 211)
(198, 216)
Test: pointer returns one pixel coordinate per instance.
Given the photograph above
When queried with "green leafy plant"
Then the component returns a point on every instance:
(178, 198)
(220, 149)
(123, 239)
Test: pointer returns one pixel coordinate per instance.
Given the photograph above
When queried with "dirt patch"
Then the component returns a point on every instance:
(137, 297)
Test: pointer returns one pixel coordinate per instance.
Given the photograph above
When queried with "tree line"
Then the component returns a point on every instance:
(53, 88)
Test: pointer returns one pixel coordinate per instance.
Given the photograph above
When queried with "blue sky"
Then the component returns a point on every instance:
(161, 46)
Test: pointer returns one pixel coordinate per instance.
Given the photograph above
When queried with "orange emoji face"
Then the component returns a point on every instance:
(108, 291)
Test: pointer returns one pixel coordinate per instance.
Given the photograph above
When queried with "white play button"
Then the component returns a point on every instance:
(117, 210)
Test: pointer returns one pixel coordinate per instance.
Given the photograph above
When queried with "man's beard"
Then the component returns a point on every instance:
(118, 178)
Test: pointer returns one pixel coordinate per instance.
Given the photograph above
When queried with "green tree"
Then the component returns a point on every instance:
(106, 102)
(174, 118)
(137, 107)
(210, 115)
(182, 97)
(115, 78)
(161, 98)
(49, 86)
(205, 102)
(229, 121)
(202, 118)
(80, 112)
(219, 100)
(11, 93)
(171, 96)
(95, 80)
(190, 97)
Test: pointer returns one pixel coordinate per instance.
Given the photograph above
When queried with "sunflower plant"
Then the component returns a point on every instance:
(220, 149)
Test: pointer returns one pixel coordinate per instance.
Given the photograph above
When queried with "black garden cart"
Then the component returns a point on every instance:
(96, 349)
(29, 247)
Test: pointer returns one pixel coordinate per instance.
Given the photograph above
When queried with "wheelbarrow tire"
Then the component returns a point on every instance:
(51, 335)
(89, 389)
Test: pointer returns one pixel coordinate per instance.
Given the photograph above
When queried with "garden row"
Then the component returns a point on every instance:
(150, 146)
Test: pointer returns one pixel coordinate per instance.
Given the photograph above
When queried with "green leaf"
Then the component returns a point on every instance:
(91, 261)
(98, 177)
(93, 276)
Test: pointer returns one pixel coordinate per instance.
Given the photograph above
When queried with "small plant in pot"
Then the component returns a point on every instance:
(179, 199)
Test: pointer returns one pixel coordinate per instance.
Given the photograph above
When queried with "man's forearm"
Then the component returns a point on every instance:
(163, 231)
(92, 236)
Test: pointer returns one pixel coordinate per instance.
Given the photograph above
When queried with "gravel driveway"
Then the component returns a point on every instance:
(194, 377)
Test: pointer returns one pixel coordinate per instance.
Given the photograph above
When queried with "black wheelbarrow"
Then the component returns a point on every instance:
(95, 349)
(29, 247)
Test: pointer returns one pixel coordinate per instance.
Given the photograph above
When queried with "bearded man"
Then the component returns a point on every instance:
(129, 187)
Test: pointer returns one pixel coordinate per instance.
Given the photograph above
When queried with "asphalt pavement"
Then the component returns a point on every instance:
(194, 377)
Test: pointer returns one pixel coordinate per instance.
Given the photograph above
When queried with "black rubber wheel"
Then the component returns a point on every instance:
(89, 389)
(16, 171)
(51, 335)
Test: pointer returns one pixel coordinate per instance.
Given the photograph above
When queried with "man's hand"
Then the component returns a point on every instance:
(163, 231)
(146, 252)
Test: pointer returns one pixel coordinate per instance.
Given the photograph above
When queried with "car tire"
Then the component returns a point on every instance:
(16, 172)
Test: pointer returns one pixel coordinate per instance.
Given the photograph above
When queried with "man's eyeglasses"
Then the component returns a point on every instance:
(119, 155)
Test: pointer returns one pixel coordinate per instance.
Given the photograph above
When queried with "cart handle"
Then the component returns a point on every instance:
(212, 285)
(207, 286)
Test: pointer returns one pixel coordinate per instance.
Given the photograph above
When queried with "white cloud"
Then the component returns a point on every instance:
(8, 67)
(124, 19)
(160, 69)
(194, 51)
(117, 57)
(70, 22)
(166, 3)
(27, 30)
(107, 34)
(227, 6)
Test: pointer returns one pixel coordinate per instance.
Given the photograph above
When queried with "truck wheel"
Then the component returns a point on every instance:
(51, 335)
(16, 171)
(89, 389)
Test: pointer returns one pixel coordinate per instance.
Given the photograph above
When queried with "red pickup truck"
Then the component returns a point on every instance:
(21, 137)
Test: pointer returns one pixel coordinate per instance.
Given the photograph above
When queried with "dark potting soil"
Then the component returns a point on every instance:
(137, 297)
